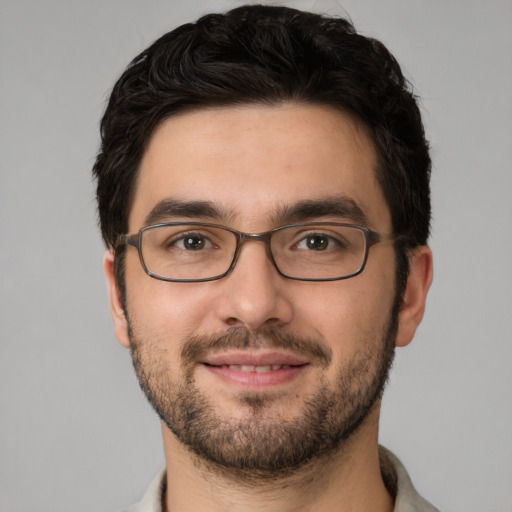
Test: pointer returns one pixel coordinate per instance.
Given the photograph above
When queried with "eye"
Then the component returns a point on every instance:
(191, 242)
(319, 242)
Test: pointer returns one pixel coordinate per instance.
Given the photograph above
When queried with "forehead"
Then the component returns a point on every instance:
(251, 161)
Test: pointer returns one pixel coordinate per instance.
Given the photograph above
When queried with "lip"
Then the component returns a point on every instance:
(255, 370)
(254, 358)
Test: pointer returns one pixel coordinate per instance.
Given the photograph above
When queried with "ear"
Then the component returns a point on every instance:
(116, 304)
(415, 294)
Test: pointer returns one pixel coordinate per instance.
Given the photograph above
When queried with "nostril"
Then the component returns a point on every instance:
(232, 322)
(253, 325)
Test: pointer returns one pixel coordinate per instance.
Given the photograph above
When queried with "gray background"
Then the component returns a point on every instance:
(75, 431)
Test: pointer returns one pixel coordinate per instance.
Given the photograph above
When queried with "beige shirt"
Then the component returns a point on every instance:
(394, 474)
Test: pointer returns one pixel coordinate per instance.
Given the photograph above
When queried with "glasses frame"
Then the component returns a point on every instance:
(370, 238)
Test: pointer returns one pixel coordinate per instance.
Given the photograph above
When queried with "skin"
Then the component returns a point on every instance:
(250, 161)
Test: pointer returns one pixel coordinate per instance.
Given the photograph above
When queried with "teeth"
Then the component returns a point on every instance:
(258, 369)
(263, 369)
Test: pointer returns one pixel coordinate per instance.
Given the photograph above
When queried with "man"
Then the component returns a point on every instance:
(263, 189)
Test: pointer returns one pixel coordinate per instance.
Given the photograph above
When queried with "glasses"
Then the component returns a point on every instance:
(197, 251)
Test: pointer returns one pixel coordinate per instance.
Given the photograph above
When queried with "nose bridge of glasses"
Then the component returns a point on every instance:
(254, 237)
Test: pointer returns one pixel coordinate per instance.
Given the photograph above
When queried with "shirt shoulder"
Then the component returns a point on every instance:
(398, 482)
(152, 500)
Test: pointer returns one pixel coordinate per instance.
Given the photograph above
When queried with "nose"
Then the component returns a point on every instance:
(254, 294)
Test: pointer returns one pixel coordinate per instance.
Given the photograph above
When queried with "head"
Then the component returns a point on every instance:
(253, 110)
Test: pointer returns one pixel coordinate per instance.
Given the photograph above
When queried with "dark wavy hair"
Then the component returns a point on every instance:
(259, 54)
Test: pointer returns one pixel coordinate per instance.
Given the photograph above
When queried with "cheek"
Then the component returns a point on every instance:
(164, 311)
(347, 313)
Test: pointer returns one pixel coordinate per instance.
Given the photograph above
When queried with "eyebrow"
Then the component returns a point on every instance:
(170, 208)
(339, 207)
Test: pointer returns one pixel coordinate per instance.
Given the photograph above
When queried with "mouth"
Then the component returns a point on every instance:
(262, 368)
(255, 370)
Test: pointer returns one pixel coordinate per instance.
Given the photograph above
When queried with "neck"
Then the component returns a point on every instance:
(349, 480)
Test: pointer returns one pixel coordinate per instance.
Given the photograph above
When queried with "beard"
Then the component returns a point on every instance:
(263, 444)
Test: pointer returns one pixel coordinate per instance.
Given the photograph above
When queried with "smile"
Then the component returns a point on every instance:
(255, 368)
(255, 371)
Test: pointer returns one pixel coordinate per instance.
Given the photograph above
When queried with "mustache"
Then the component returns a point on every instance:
(197, 348)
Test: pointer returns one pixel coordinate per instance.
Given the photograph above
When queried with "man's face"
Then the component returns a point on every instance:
(255, 370)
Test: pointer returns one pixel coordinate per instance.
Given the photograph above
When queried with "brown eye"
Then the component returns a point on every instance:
(317, 242)
(194, 243)
(190, 242)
